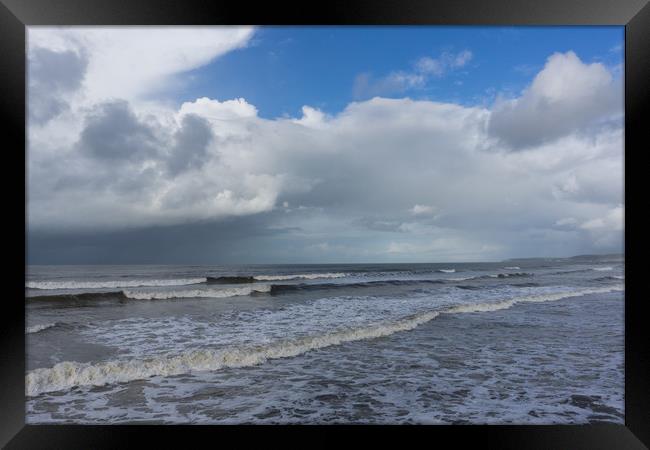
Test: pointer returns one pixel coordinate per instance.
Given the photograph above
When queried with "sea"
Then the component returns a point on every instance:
(530, 341)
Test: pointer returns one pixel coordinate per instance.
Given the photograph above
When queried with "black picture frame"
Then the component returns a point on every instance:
(15, 15)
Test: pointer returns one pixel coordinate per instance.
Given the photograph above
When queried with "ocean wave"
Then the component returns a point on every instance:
(194, 293)
(446, 270)
(525, 285)
(562, 272)
(505, 304)
(304, 276)
(602, 269)
(470, 287)
(509, 275)
(75, 299)
(126, 295)
(39, 327)
(609, 278)
(513, 268)
(230, 280)
(495, 275)
(69, 374)
(284, 288)
(113, 284)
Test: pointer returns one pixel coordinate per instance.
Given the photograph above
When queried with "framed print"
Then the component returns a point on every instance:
(349, 219)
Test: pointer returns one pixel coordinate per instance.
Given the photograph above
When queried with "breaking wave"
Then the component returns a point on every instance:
(509, 275)
(194, 293)
(40, 327)
(602, 269)
(66, 375)
(505, 304)
(126, 295)
(304, 276)
(78, 299)
(114, 284)
(496, 275)
(447, 270)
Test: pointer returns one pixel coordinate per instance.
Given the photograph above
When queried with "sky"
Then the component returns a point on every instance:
(243, 145)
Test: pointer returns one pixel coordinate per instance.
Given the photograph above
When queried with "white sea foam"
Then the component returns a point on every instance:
(112, 284)
(513, 268)
(505, 304)
(66, 375)
(304, 276)
(193, 293)
(603, 269)
(40, 327)
(447, 270)
(460, 278)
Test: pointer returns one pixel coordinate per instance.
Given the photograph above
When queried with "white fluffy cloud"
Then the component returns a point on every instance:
(368, 175)
(128, 62)
(566, 97)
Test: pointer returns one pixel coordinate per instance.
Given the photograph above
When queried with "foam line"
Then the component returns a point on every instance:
(306, 276)
(193, 293)
(113, 284)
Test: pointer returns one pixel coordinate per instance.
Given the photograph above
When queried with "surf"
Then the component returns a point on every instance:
(69, 374)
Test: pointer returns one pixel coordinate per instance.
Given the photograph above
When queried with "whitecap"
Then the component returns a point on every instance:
(39, 327)
(195, 293)
(112, 284)
(305, 276)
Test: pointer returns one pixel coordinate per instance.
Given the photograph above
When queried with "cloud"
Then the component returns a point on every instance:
(364, 181)
(444, 63)
(567, 221)
(112, 131)
(190, 150)
(398, 82)
(422, 210)
(565, 97)
(612, 221)
(393, 83)
(129, 62)
(342, 170)
(53, 75)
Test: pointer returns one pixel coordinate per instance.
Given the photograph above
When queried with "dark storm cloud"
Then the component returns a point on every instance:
(190, 149)
(232, 240)
(53, 76)
(113, 132)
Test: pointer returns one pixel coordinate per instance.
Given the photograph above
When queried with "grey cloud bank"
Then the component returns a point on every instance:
(126, 179)
(52, 75)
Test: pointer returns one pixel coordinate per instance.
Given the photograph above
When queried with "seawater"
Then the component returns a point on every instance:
(530, 341)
